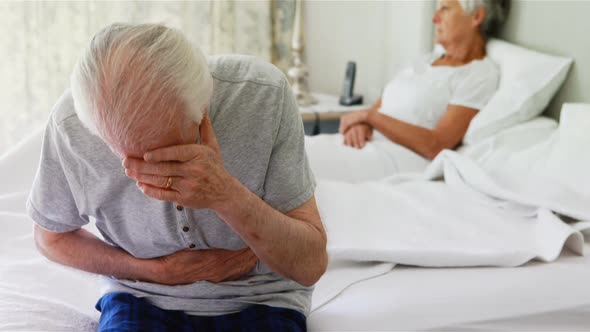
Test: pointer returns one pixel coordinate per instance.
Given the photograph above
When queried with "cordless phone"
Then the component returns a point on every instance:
(348, 98)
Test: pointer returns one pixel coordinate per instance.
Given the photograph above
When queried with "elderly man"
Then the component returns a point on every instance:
(195, 172)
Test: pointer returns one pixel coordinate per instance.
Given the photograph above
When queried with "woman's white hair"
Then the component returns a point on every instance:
(496, 13)
(135, 83)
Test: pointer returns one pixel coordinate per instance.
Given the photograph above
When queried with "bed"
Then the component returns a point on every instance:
(537, 292)
(535, 296)
(372, 285)
(356, 294)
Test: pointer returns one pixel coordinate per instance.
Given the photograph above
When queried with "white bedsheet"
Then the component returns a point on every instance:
(51, 297)
(36, 294)
(468, 221)
(474, 299)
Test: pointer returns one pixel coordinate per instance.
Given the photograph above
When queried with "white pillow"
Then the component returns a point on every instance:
(528, 81)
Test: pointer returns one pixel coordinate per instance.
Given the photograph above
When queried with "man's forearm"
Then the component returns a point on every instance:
(82, 250)
(291, 247)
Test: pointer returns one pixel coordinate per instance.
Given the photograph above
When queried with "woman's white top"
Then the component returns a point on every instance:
(420, 94)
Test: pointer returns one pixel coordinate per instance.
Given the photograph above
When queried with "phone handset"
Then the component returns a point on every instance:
(348, 98)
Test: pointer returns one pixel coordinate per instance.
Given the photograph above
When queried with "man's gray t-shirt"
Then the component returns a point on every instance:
(260, 134)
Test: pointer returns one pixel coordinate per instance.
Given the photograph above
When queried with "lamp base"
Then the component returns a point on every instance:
(305, 99)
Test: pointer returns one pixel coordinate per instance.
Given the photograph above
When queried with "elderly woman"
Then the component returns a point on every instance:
(426, 108)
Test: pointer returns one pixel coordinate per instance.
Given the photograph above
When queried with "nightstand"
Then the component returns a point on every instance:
(324, 117)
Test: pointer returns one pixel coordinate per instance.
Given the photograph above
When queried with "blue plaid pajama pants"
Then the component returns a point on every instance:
(125, 312)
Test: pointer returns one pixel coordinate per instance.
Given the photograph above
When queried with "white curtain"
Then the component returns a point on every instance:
(41, 41)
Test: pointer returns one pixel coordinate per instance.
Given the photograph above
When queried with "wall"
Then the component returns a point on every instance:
(381, 36)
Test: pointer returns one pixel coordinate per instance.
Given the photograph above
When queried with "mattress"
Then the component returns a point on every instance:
(535, 296)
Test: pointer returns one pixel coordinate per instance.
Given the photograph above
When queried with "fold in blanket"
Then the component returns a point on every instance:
(467, 220)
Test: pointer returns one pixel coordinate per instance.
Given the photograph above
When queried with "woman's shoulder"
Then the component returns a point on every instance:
(477, 72)
(483, 67)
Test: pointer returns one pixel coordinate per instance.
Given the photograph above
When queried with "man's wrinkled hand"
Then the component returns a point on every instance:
(191, 175)
(213, 265)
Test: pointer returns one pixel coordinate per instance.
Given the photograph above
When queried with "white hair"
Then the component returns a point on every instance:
(496, 13)
(135, 83)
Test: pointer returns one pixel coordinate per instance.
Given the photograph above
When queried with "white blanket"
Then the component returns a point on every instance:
(26, 311)
(497, 212)
(331, 160)
(36, 294)
(429, 223)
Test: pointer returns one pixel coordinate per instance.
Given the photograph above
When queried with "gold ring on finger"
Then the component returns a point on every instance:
(168, 183)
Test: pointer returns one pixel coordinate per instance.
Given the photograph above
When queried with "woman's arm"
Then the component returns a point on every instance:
(447, 134)
(352, 118)
(358, 135)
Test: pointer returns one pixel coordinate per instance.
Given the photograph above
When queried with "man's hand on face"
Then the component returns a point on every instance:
(190, 175)
(198, 180)
(214, 265)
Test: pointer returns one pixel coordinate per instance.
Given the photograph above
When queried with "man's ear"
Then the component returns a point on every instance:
(478, 16)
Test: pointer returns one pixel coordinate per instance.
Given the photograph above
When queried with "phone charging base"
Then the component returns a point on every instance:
(349, 101)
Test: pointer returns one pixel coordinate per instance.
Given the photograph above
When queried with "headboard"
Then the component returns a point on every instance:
(560, 28)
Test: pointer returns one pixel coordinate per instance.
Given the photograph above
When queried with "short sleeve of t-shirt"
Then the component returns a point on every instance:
(474, 85)
(289, 181)
(51, 203)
